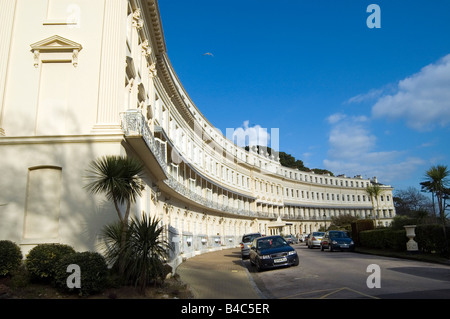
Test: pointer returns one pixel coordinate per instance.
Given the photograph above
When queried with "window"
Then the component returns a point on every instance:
(43, 199)
(174, 171)
(192, 185)
(208, 194)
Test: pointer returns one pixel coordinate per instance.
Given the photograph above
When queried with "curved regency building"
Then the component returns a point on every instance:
(81, 79)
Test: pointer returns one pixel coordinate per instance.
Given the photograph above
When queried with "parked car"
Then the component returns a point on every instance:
(246, 242)
(291, 239)
(306, 239)
(314, 239)
(302, 238)
(337, 240)
(272, 251)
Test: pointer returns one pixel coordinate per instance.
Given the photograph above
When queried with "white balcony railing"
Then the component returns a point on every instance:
(134, 124)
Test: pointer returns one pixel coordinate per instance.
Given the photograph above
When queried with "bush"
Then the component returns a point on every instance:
(395, 239)
(430, 238)
(399, 221)
(42, 260)
(359, 226)
(385, 238)
(93, 272)
(373, 238)
(10, 257)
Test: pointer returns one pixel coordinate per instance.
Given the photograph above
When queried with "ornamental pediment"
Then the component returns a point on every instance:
(55, 49)
(56, 43)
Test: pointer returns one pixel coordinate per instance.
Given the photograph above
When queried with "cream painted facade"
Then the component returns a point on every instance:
(80, 79)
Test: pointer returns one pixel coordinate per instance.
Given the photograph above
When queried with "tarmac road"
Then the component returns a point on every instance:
(345, 275)
(320, 275)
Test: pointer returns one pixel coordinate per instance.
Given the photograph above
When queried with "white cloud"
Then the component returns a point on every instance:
(372, 94)
(352, 151)
(245, 135)
(422, 100)
(335, 118)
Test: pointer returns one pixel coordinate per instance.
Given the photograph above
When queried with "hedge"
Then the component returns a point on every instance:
(359, 226)
(430, 238)
(373, 238)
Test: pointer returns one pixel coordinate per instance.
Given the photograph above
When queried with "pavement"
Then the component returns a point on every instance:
(219, 275)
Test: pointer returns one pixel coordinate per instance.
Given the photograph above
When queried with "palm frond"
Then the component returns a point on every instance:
(118, 177)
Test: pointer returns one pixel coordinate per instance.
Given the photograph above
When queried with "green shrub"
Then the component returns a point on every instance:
(359, 226)
(10, 257)
(42, 259)
(93, 273)
(373, 238)
(395, 239)
(399, 221)
(430, 238)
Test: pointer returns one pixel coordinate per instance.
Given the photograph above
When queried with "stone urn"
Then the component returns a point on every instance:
(411, 245)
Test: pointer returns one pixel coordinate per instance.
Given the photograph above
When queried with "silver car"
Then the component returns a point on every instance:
(246, 243)
(315, 239)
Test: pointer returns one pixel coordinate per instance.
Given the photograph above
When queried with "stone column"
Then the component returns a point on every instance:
(112, 66)
(7, 12)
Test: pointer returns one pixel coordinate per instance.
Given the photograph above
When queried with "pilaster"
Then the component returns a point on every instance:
(112, 66)
(7, 13)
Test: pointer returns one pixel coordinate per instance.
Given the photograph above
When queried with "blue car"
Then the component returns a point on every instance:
(337, 240)
(272, 251)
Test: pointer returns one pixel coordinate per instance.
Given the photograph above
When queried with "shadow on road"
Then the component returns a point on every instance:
(433, 273)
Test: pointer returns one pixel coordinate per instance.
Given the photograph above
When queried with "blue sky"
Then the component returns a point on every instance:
(345, 97)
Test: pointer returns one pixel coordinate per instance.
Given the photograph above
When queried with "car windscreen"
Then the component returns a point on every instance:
(338, 235)
(249, 238)
(318, 234)
(267, 243)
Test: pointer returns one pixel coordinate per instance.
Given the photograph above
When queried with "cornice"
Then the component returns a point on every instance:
(59, 139)
(153, 17)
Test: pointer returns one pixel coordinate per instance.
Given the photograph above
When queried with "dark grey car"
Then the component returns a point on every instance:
(337, 240)
(271, 252)
(246, 242)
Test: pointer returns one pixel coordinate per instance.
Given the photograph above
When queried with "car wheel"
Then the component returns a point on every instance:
(321, 247)
(258, 267)
(297, 262)
(330, 248)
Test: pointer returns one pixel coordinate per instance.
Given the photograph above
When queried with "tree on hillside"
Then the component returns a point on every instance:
(287, 160)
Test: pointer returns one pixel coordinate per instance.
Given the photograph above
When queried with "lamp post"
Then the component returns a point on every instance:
(325, 218)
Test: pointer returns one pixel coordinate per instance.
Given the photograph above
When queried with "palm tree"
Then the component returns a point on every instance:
(148, 251)
(374, 190)
(144, 252)
(119, 178)
(436, 182)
